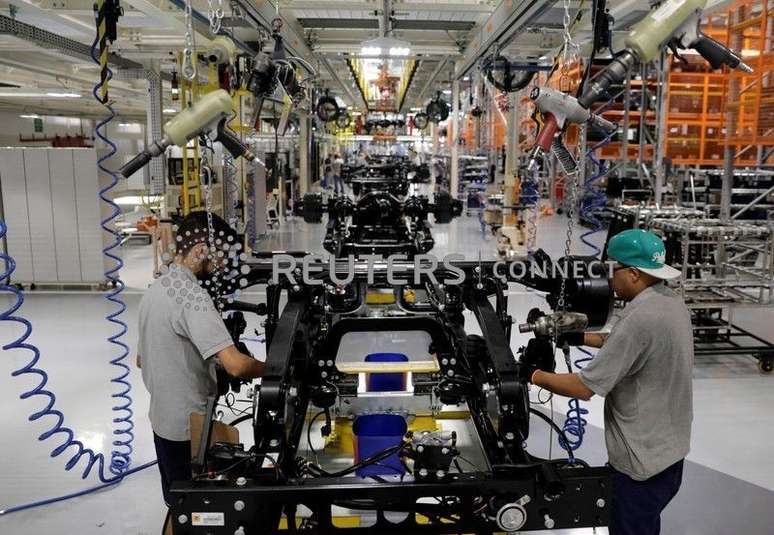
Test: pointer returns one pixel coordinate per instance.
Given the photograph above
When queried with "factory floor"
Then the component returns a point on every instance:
(729, 477)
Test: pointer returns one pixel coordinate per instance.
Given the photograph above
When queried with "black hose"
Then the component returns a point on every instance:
(241, 419)
(365, 462)
(559, 431)
(594, 38)
(309, 432)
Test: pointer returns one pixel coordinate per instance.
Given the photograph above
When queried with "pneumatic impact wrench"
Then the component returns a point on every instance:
(558, 110)
(208, 115)
(675, 23)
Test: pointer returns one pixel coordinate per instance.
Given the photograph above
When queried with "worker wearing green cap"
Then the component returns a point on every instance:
(644, 372)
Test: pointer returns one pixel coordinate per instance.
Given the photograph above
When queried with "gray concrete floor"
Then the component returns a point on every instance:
(729, 480)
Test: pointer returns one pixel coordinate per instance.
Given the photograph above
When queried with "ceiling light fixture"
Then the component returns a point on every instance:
(21, 94)
(385, 45)
(63, 95)
(29, 116)
(400, 51)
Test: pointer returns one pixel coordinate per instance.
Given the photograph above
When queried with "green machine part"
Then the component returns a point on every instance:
(648, 36)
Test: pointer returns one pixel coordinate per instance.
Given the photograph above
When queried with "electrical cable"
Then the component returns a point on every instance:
(120, 455)
(594, 39)
(562, 436)
(309, 433)
(471, 463)
(594, 199)
(375, 458)
(225, 470)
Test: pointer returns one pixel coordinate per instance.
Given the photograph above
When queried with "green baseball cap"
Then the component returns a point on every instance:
(643, 250)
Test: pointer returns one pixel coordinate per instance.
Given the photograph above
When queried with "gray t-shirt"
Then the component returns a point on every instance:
(644, 371)
(180, 329)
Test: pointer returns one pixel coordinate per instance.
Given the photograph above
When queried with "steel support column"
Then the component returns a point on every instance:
(512, 147)
(305, 149)
(434, 154)
(258, 204)
(155, 178)
(659, 149)
(454, 125)
(625, 138)
(643, 124)
(729, 152)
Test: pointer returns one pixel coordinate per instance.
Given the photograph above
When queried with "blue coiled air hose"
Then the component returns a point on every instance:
(530, 193)
(7, 267)
(120, 455)
(594, 200)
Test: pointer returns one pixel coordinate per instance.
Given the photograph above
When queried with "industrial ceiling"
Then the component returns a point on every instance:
(44, 44)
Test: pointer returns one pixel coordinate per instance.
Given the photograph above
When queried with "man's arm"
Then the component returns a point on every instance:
(564, 384)
(594, 339)
(238, 364)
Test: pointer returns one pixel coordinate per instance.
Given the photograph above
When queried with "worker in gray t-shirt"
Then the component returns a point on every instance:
(181, 334)
(644, 372)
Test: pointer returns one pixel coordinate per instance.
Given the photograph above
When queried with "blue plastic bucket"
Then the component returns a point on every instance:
(386, 382)
(374, 433)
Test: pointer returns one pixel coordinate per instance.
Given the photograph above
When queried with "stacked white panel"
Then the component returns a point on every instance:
(52, 209)
(90, 214)
(68, 260)
(41, 218)
(14, 189)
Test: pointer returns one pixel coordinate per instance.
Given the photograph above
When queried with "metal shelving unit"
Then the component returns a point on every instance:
(723, 266)
(751, 194)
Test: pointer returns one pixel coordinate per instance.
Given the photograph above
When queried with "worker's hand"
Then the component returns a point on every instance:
(526, 371)
(242, 348)
(239, 364)
(571, 339)
(538, 355)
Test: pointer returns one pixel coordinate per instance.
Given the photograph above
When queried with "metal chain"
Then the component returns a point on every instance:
(188, 68)
(205, 179)
(215, 15)
(532, 215)
(570, 53)
(570, 49)
(572, 181)
(236, 13)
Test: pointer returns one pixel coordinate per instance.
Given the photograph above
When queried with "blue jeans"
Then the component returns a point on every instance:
(636, 505)
(338, 184)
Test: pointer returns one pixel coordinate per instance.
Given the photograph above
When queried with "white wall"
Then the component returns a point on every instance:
(128, 136)
(14, 125)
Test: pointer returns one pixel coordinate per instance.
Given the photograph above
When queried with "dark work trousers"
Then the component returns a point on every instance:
(636, 505)
(174, 462)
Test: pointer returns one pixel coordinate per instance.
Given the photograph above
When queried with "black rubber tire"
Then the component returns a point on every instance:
(421, 120)
(437, 111)
(313, 209)
(443, 207)
(327, 110)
